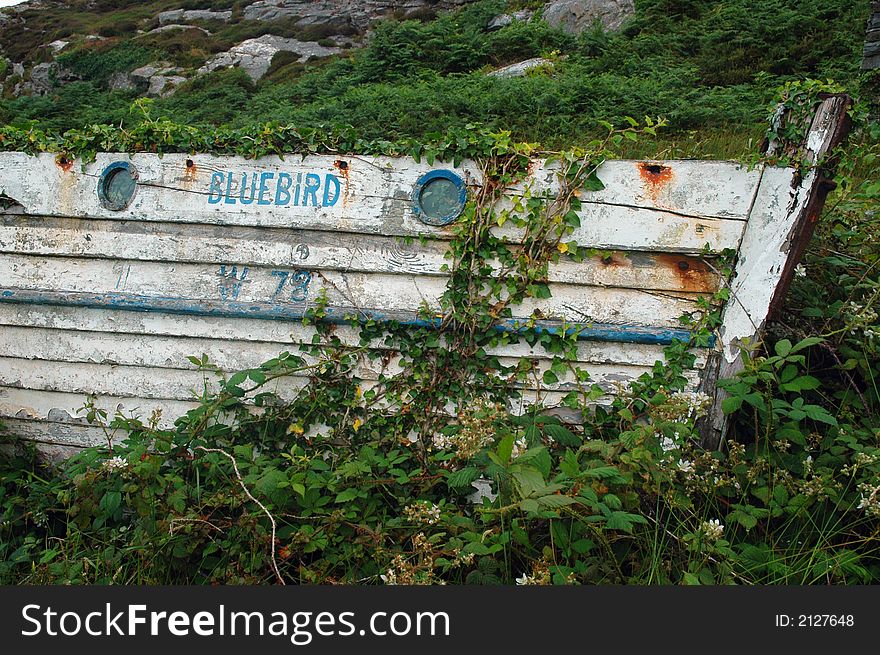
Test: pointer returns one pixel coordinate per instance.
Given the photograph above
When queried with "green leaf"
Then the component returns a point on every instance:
(505, 448)
(347, 495)
(604, 473)
(110, 501)
(731, 404)
(783, 347)
(691, 580)
(463, 477)
(529, 480)
(623, 521)
(563, 435)
(818, 413)
(237, 379)
(806, 343)
(529, 505)
(593, 183)
(556, 500)
(744, 519)
(802, 383)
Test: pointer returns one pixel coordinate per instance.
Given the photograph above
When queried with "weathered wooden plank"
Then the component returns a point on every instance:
(761, 257)
(372, 196)
(67, 407)
(182, 243)
(144, 379)
(718, 189)
(244, 287)
(194, 335)
(787, 207)
(71, 436)
(45, 409)
(234, 184)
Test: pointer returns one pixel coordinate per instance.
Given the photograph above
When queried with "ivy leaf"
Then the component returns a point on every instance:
(593, 183)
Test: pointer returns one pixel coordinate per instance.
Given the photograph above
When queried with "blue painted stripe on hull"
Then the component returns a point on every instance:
(289, 312)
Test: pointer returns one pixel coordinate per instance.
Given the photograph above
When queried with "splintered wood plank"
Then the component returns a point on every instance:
(374, 196)
(188, 287)
(315, 250)
(181, 336)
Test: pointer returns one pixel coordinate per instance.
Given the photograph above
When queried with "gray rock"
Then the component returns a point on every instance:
(177, 26)
(254, 56)
(187, 15)
(156, 79)
(120, 82)
(45, 77)
(521, 68)
(358, 13)
(575, 16)
(507, 19)
(58, 46)
(18, 69)
(164, 85)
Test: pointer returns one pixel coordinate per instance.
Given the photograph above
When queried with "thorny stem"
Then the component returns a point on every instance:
(261, 506)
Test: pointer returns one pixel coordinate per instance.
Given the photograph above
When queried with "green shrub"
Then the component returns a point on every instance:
(98, 63)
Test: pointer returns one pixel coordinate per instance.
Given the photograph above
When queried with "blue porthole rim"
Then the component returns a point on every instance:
(424, 180)
(106, 175)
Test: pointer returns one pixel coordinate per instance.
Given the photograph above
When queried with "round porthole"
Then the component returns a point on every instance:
(439, 197)
(117, 185)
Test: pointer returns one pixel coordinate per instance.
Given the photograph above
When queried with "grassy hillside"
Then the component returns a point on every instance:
(702, 64)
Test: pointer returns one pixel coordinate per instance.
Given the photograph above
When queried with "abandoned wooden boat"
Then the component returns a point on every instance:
(114, 274)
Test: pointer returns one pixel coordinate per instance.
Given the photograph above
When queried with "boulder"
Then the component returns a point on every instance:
(521, 68)
(359, 13)
(157, 79)
(58, 46)
(575, 16)
(120, 82)
(45, 77)
(254, 56)
(177, 26)
(189, 15)
(507, 19)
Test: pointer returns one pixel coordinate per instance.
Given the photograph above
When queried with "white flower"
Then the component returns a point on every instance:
(519, 447)
(686, 466)
(667, 444)
(800, 270)
(422, 512)
(114, 463)
(524, 580)
(687, 404)
(713, 529)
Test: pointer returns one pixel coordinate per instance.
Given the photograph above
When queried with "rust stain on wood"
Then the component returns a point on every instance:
(191, 171)
(344, 169)
(655, 177)
(692, 274)
(64, 163)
